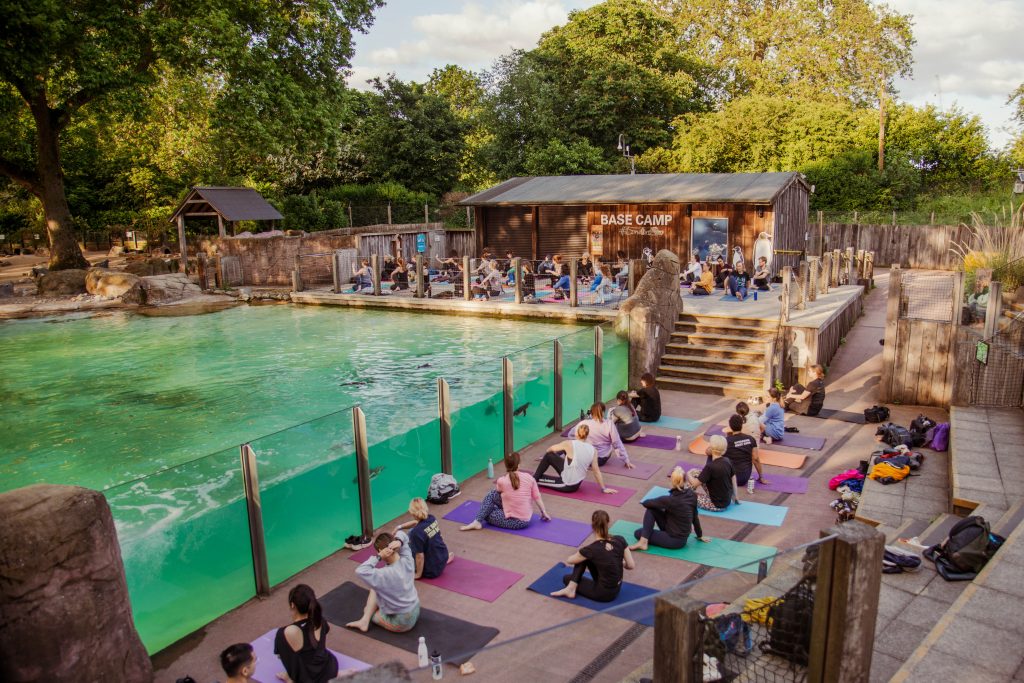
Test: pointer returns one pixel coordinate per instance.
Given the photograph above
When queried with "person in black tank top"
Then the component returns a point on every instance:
(605, 559)
(302, 645)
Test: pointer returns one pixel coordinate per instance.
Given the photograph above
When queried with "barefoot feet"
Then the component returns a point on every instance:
(472, 526)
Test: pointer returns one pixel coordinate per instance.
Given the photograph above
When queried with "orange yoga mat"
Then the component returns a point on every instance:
(768, 457)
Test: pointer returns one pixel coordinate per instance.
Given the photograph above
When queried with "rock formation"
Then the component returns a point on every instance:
(109, 284)
(71, 281)
(64, 611)
(163, 289)
(152, 266)
(651, 314)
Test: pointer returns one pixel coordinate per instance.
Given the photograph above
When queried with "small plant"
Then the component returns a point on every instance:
(779, 385)
(842, 340)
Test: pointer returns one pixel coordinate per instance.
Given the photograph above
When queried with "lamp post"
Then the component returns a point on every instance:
(624, 148)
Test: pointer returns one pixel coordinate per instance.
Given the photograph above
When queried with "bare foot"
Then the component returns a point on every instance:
(361, 625)
(564, 593)
(639, 545)
(451, 558)
(472, 526)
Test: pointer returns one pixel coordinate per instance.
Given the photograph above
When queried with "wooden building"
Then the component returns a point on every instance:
(707, 212)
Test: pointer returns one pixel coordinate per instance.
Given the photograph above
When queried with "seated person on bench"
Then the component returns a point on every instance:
(715, 485)
(605, 559)
(761, 275)
(509, 504)
(706, 284)
(393, 603)
(647, 399)
(571, 460)
(668, 519)
(808, 400)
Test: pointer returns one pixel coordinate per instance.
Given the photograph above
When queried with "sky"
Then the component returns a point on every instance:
(968, 53)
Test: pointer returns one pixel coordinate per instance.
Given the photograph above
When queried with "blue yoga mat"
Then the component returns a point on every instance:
(746, 511)
(680, 423)
(642, 613)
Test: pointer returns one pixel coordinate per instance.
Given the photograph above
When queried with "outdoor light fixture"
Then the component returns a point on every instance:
(689, 210)
(760, 212)
(623, 147)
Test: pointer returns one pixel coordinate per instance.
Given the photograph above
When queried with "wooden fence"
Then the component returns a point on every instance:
(910, 246)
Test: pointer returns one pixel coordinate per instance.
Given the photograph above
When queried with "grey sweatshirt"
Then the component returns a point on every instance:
(395, 583)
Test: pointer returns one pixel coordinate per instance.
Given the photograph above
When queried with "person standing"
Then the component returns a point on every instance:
(605, 558)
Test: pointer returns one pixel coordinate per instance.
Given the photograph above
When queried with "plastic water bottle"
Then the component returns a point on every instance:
(755, 295)
(421, 653)
(436, 669)
(679, 443)
(490, 468)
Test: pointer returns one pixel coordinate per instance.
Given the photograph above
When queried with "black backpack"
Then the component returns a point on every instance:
(876, 414)
(895, 435)
(966, 550)
(789, 624)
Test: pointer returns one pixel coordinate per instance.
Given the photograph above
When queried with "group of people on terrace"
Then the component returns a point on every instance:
(703, 277)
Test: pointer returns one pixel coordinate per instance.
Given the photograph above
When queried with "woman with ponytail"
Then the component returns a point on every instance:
(605, 559)
(669, 519)
(509, 504)
(302, 645)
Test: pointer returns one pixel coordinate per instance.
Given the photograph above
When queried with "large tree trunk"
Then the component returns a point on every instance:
(64, 250)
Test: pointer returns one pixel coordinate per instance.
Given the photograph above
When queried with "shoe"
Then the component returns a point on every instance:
(792, 430)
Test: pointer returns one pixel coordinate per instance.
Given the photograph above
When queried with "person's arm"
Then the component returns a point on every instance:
(419, 565)
(535, 494)
(659, 503)
(600, 480)
(696, 526)
(575, 559)
(405, 525)
(627, 560)
(617, 443)
(564, 446)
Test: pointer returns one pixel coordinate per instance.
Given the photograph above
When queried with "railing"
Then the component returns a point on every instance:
(201, 538)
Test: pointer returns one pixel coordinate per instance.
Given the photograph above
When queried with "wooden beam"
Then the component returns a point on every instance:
(220, 225)
(200, 213)
(892, 313)
(678, 639)
(182, 247)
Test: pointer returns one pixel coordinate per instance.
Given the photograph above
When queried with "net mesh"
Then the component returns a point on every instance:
(927, 296)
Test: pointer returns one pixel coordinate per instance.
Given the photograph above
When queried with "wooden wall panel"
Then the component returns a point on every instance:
(911, 246)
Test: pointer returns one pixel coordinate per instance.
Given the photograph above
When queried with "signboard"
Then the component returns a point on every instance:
(421, 242)
(981, 353)
(652, 224)
(596, 240)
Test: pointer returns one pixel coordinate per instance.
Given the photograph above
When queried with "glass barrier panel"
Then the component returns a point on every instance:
(184, 536)
(309, 492)
(533, 388)
(577, 374)
(401, 466)
(614, 364)
(477, 415)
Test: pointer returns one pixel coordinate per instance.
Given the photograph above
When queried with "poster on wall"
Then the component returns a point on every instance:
(596, 240)
(710, 237)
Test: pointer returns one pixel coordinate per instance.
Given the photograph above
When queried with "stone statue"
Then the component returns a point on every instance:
(650, 315)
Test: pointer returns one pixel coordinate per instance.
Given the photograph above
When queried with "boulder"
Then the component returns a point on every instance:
(650, 315)
(64, 611)
(116, 250)
(71, 281)
(152, 266)
(109, 284)
(6, 289)
(163, 289)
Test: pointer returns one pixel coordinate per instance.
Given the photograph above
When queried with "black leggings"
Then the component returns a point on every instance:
(590, 588)
(657, 537)
(556, 461)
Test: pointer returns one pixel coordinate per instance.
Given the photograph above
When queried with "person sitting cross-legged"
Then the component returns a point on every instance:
(393, 603)
(428, 548)
(761, 275)
(715, 484)
(706, 284)
(738, 282)
(605, 558)
(509, 505)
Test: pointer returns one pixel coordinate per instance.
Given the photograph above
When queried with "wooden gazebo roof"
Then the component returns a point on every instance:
(227, 203)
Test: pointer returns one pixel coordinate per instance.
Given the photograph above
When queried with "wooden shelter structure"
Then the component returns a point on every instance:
(228, 204)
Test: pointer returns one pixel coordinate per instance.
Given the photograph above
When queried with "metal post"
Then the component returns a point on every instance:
(573, 293)
(598, 362)
(251, 482)
(375, 267)
(362, 470)
(762, 570)
(506, 392)
(467, 291)
(558, 424)
(419, 275)
(517, 270)
(445, 418)
(335, 273)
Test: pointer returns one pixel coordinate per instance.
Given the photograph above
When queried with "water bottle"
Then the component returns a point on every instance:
(490, 468)
(436, 669)
(679, 442)
(421, 653)
(755, 295)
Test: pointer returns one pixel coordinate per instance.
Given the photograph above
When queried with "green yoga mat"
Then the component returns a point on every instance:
(720, 552)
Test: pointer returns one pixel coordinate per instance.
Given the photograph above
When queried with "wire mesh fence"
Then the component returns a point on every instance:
(927, 296)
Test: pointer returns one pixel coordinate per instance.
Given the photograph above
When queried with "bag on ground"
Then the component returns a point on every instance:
(876, 414)
(940, 437)
(789, 622)
(895, 435)
(443, 488)
(885, 472)
(966, 550)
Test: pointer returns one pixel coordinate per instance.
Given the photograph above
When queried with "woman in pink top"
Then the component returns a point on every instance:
(509, 504)
(604, 437)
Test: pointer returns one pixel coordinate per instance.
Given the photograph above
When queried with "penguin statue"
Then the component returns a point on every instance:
(763, 248)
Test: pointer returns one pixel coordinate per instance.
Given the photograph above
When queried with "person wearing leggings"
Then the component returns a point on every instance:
(715, 485)
(605, 559)
(509, 504)
(669, 519)
(570, 460)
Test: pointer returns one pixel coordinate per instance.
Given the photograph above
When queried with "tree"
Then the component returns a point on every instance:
(576, 158)
(464, 92)
(1016, 148)
(279, 66)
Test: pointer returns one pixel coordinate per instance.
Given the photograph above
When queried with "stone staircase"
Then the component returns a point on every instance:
(717, 355)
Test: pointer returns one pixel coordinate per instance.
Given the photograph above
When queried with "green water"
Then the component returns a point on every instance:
(105, 402)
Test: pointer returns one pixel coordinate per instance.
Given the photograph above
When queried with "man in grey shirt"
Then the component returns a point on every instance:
(393, 603)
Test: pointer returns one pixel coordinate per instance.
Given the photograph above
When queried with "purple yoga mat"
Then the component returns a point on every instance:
(641, 470)
(465, 576)
(268, 665)
(780, 483)
(810, 443)
(665, 443)
(561, 531)
(590, 492)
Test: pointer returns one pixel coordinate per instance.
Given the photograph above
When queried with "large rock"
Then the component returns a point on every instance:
(152, 266)
(64, 611)
(109, 284)
(71, 281)
(651, 314)
(163, 289)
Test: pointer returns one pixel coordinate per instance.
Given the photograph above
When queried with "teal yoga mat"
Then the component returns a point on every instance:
(720, 552)
(680, 423)
(747, 511)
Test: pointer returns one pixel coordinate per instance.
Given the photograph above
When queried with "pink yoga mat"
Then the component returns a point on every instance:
(465, 576)
(268, 665)
(591, 492)
(780, 483)
(641, 470)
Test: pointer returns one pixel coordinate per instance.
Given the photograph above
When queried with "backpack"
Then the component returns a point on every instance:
(443, 488)
(966, 550)
(788, 634)
(940, 437)
(734, 634)
(922, 424)
(895, 435)
(876, 414)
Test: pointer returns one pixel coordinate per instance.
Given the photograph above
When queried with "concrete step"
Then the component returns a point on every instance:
(695, 386)
(727, 328)
(687, 349)
(938, 530)
(750, 381)
(1010, 520)
(731, 341)
(719, 320)
(750, 365)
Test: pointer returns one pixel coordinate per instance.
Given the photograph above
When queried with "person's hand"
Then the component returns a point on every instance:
(284, 677)
(386, 552)
(703, 539)
(609, 490)
(630, 466)
(545, 516)
(397, 529)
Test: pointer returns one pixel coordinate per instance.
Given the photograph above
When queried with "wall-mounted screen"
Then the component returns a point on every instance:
(710, 237)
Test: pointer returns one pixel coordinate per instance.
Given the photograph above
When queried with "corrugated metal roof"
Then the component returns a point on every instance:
(233, 203)
(759, 188)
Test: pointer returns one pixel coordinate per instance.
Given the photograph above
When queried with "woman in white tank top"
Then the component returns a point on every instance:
(570, 468)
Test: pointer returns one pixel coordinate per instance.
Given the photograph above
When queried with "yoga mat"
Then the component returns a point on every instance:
(793, 461)
(810, 443)
(665, 443)
(465, 576)
(720, 552)
(641, 470)
(842, 415)
(748, 511)
(642, 613)
(268, 665)
(561, 531)
(590, 492)
(780, 483)
(680, 423)
(454, 638)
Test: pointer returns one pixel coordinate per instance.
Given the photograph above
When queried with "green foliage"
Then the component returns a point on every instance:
(557, 158)
(464, 93)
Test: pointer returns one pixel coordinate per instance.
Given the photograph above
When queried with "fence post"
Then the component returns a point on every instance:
(826, 272)
(821, 232)
(845, 604)
(350, 224)
(219, 274)
(849, 267)
(812, 278)
(678, 639)
(892, 313)
(994, 309)
(573, 289)
(335, 273)
(558, 424)
(855, 221)
(894, 218)
(419, 275)
(506, 402)
(389, 213)
(468, 218)
(375, 267)
(958, 301)
(598, 362)
(837, 262)
(296, 278)
(362, 470)
(801, 305)
(467, 290)
(787, 280)
(445, 418)
(633, 265)
(201, 263)
(517, 270)
(426, 213)
(254, 509)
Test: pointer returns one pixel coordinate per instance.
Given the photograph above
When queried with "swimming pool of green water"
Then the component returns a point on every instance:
(152, 410)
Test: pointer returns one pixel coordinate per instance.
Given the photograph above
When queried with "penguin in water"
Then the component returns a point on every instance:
(581, 369)
(521, 410)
